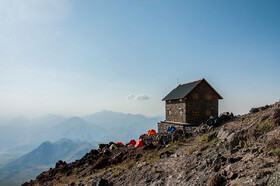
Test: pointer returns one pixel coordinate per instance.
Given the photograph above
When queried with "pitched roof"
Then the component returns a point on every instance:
(182, 90)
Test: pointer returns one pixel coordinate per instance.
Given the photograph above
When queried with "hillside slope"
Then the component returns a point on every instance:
(242, 151)
(42, 158)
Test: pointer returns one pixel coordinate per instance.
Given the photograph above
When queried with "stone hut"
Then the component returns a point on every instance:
(189, 105)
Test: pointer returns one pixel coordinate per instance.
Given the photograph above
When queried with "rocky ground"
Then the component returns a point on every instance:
(243, 151)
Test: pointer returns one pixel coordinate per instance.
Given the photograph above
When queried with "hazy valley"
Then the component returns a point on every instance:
(22, 138)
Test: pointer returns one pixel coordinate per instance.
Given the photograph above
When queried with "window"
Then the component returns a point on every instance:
(195, 96)
(196, 112)
(208, 96)
(208, 112)
(181, 100)
(169, 112)
(181, 111)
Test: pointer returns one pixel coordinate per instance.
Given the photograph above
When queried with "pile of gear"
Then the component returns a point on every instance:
(132, 143)
(172, 134)
(217, 121)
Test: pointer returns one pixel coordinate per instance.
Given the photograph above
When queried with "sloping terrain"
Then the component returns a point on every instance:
(40, 159)
(242, 151)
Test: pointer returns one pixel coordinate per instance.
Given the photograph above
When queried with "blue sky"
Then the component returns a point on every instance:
(79, 57)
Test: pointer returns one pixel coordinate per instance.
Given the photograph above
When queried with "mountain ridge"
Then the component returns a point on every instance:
(42, 158)
(242, 151)
(20, 140)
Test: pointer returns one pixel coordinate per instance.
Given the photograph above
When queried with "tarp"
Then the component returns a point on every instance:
(171, 129)
(119, 143)
(132, 142)
(113, 147)
(139, 143)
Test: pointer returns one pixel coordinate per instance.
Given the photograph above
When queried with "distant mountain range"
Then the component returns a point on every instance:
(78, 129)
(20, 135)
(41, 159)
(101, 126)
(120, 126)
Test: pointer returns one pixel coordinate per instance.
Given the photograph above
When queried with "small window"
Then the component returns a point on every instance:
(208, 96)
(181, 100)
(196, 112)
(169, 101)
(195, 97)
(181, 111)
(208, 112)
(169, 112)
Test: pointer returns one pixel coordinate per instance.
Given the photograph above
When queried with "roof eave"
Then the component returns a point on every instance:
(171, 99)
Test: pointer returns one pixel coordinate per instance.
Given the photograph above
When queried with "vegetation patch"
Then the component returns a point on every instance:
(153, 156)
(274, 147)
(190, 139)
(276, 152)
(117, 173)
(263, 128)
(266, 126)
(193, 149)
(247, 142)
(178, 143)
(214, 141)
(203, 139)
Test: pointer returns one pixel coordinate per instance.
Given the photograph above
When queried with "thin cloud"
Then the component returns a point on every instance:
(140, 97)
(131, 96)
(143, 97)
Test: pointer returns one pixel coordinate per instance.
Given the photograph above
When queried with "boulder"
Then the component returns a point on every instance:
(232, 175)
(60, 163)
(223, 133)
(94, 152)
(225, 116)
(203, 128)
(213, 121)
(265, 107)
(234, 159)
(178, 134)
(211, 136)
(216, 180)
(254, 110)
(165, 154)
(117, 158)
(233, 139)
(101, 162)
(164, 139)
(101, 146)
(100, 182)
(276, 116)
(150, 146)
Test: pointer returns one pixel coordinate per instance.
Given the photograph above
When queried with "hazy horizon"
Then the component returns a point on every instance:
(74, 58)
(70, 116)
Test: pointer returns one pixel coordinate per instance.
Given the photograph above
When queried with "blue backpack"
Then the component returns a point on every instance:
(171, 129)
